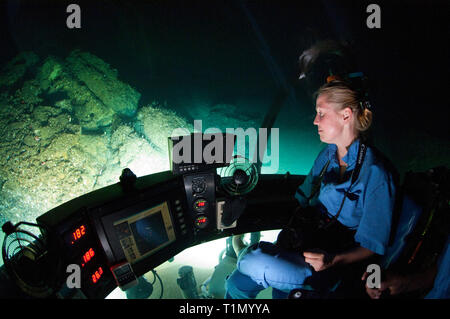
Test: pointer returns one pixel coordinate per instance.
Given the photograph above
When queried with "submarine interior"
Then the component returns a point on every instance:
(98, 99)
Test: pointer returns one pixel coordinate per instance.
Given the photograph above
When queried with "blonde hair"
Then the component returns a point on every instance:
(343, 96)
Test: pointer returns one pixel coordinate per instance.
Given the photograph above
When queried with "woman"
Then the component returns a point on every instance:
(362, 202)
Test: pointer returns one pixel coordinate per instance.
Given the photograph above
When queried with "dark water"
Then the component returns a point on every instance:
(193, 55)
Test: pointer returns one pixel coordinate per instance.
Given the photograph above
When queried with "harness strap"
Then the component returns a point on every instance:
(316, 185)
(355, 173)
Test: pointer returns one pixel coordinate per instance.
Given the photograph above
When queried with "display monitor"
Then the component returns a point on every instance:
(144, 233)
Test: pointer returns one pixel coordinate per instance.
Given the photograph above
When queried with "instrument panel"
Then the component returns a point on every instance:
(143, 228)
(116, 234)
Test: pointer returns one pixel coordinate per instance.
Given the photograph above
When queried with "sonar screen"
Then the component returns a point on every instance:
(144, 233)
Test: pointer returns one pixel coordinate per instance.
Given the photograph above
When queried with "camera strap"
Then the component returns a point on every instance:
(316, 186)
(355, 174)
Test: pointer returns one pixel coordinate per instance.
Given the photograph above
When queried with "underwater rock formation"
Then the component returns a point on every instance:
(59, 139)
(16, 69)
(84, 84)
(69, 126)
(156, 124)
(223, 116)
(61, 134)
(102, 81)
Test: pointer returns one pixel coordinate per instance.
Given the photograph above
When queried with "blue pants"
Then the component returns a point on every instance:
(266, 265)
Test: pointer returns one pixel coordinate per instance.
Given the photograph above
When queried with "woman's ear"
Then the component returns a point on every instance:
(347, 114)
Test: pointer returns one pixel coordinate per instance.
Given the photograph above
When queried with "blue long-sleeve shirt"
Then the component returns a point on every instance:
(441, 286)
(369, 209)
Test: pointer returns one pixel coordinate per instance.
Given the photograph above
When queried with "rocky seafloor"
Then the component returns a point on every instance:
(70, 126)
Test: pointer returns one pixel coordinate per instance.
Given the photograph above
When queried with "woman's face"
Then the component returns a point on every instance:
(330, 122)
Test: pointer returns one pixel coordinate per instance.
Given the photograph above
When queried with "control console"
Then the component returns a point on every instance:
(201, 199)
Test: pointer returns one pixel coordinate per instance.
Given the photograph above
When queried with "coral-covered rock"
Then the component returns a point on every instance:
(135, 152)
(157, 124)
(17, 68)
(102, 80)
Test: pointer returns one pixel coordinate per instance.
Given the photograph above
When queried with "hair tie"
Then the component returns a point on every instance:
(332, 78)
(365, 105)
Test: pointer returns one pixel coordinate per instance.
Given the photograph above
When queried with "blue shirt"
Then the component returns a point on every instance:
(409, 216)
(370, 206)
(441, 286)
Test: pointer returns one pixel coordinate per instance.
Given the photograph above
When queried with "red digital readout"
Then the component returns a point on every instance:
(201, 220)
(78, 233)
(87, 256)
(96, 275)
(201, 204)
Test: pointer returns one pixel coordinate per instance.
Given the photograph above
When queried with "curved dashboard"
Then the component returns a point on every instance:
(116, 234)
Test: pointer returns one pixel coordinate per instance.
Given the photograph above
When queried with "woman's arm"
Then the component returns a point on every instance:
(319, 260)
(351, 256)
(399, 284)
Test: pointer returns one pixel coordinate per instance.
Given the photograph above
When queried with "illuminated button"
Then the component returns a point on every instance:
(201, 221)
(180, 214)
(200, 205)
(178, 208)
(177, 202)
(181, 220)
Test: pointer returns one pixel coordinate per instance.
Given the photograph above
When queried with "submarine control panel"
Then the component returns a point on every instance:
(116, 234)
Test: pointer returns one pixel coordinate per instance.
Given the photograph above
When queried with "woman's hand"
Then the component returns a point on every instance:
(318, 260)
(394, 284)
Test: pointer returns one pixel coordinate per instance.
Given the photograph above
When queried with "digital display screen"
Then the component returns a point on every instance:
(144, 233)
(149, 232)
(87, 256)
(76, 235)
(78, 244)
(96, 275)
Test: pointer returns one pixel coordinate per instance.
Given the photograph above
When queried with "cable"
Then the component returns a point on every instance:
(160, 281)
(154, 277)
